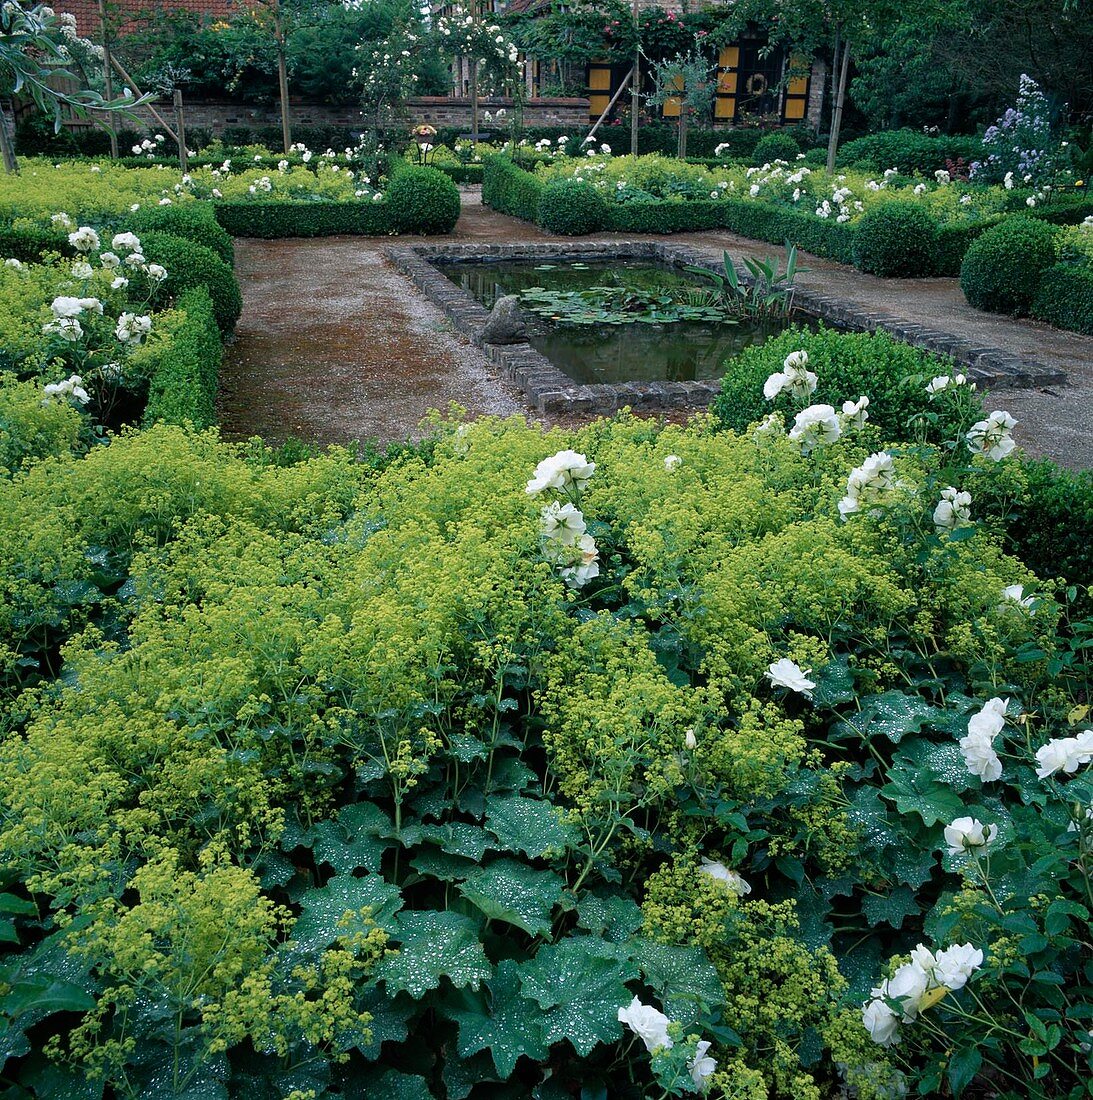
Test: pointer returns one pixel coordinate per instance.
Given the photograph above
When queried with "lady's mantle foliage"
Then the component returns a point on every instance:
(359, 775)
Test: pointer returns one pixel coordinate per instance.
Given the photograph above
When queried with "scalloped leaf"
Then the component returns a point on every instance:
(513, 892)
(581, 981)
(502, 1021)
(317, 926)
(529, 825)
(684, 978)
(354, 840)
(434, 946)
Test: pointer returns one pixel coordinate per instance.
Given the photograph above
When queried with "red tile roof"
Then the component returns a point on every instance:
(87, 11)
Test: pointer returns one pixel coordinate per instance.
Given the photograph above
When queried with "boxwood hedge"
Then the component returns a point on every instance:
(304, 219)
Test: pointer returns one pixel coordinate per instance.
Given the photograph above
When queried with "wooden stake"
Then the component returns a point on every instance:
(181, 129)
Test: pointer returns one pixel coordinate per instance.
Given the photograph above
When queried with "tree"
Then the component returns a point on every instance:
(36, 48)
(691, 80)
(490, 51)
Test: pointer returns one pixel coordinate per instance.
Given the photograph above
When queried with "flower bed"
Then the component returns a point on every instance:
(776, 202)
(265, 197)
(638, 759)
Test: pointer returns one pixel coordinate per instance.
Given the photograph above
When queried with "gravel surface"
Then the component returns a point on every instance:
(369, 356)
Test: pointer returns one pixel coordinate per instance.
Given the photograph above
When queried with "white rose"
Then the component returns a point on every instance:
(649, 1024)
(733, 881)
(786, 673)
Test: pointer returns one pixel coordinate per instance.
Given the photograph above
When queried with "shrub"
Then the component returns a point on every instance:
(891, 374)
(508, 189)
(31, 429)
(910, 151)
(182, 363)
(1065, 298)
(422, 200)
(1003, 267)
(896, 240)
(776, 146)
(190, 265)
(572, 208)
(271, 220)
(195, 221)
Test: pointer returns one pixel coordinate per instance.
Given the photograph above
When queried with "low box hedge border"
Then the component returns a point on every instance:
(184, 368)
(509, 189)
(304, 219)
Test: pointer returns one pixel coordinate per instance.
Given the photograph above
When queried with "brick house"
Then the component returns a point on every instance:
(87, 11)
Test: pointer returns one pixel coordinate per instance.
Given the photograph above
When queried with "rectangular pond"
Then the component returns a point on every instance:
(608, 321)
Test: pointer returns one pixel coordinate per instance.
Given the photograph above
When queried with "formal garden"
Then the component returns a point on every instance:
(744, 752)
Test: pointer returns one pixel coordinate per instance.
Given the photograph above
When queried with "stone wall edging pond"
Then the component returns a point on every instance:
(550, 391)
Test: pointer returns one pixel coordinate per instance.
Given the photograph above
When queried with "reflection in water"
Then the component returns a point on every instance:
(593, 354)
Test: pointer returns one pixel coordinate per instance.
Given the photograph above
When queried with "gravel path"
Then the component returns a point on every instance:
(368, 355)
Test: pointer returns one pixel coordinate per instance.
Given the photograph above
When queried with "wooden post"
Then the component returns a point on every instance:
(635, 85)
(474, 100)
(607, 110)
(108, 80)
(11, 165)
(180, 125)
(120, 70)
(282, 76)
(837, 113)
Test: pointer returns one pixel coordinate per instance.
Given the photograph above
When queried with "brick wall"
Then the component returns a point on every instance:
(436, 110)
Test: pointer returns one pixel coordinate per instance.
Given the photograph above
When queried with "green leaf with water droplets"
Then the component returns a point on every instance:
(502, 1021)
(354, 839)
(455, 837)
(834, 684)
(684, 978)
(614, 917)
(434, 946)
(391, 1085)
(892, 714)
(892, 908)
(323, 909)
(515, 893)
(434, 863)
(529, 825)
(580, 982)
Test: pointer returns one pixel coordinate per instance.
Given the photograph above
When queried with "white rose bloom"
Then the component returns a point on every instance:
(732, 880)
(689, 740)
(156, 273)
(125, 242)
(816, 426)
(119, 283)
(649, 1024)
(563, 522)
(15, 265)
(70, 387)
(1064, 754)
(1016, 593)
(702, 1067)
(109, 260)
(81, 269)
(907, 987)
(867, 482)
(66, 307)
(881, 1023)
(941, 382)
(854, 413)
(672, 462)
(560, 471)
(978, 746)
(84, 239)
(68, 328)
(955, 965)
(786, 673)
(992, 437)
(953, 510)
(135, 260)
(966, 833)
(61, 221)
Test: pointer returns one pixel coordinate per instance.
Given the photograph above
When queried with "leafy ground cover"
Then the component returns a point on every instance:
(634, 760)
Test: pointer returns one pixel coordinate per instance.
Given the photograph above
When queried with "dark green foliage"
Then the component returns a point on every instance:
(422, 200)
(510, 190)
(189, 265)
(303, 219)
(776, 146)
(30, 242)
(898, 239)
(572, 208)
(194, 221)
(908, 150)
(182, 383)
(1050, 523)
(847, 365)
(1065, 298)
(1002, 268)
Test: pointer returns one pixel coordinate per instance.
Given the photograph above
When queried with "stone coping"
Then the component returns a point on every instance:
(551, 391)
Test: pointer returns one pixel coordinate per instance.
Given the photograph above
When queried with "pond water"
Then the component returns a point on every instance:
(593, 354)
